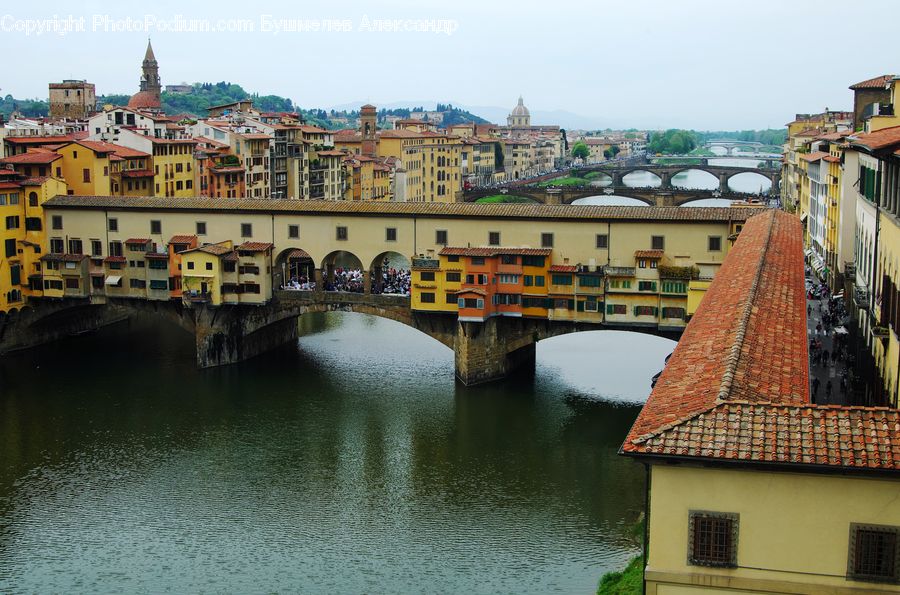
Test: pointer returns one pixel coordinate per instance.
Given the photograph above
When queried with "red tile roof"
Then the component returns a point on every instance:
(137, 241)
(814, 156)
(97, 146)
(255, 246)
(32, 157)
(879, 82)
(297, 253)
(649, 254)
(880, 139)
(474, 290)
(831, 159)
(138, 173)
(38, 140)
(114, 259)
(562, 268)
(494, 251)
(9, 185)
(736, 388)
(183, 239)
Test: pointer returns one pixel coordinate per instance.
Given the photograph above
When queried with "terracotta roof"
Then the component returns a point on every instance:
(836, 135)
(831, 159)
(648, 253)
(860, 437)
(231, 257)
(34, 180)
(255, 246)
(9, 185)
(38, 140)
(137, 240)
(214, 249)
(736, 388)
(810, 132)
(226, 169)
(255, 136)
(331, 153)
(157, 255)
(394, 209)
(297, 253)
(494, 251)
(63, 257)
(138, 173)
(880, 139)
(183, 239)
(562, 268)
(171, 141)
(114, 259)
(879, 82)
(36, 157)
(471, 290)
(814, 156)
(97, 146)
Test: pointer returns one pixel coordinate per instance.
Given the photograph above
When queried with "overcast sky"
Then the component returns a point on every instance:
(699, 64)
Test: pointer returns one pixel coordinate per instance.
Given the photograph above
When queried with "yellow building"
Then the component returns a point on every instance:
(218, 274)
(85, 167)
(752, 488)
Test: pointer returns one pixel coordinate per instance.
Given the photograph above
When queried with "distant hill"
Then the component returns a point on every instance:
(31, 108)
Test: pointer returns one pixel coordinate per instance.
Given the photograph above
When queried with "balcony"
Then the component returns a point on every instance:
(611, 271)
(861, 297)
(196, 297)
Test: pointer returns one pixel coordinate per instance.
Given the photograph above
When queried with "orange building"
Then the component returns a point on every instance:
(177, 245)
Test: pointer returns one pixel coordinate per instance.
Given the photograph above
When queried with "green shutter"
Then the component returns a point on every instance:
(15, 274)
(580, 306)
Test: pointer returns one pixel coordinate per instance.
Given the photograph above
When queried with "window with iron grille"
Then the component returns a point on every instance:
(602, 240)
(493, 238)
(657, 242)
(874, 555)
(712, 539)
(440, 237)
(341, 232)
(391, 234)
(546, 240)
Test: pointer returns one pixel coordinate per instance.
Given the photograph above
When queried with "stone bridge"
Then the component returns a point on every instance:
(649, 195)
(666, 172)
(233, 333)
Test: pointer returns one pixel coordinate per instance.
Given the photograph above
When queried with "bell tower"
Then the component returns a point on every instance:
(367, 117)
(150, 73)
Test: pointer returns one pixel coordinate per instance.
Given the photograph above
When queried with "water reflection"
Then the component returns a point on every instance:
(610, 200)
(351, 462)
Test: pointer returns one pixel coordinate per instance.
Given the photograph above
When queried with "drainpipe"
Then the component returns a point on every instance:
(646, 527)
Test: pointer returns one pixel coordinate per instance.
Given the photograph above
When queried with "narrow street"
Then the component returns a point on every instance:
(827, 372)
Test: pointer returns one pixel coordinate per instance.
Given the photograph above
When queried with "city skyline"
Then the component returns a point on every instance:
(665, 60)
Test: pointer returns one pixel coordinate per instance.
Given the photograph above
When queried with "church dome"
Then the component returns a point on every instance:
(143, 100)
(520, 109)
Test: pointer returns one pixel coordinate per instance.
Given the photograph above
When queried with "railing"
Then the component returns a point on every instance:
(611, 271)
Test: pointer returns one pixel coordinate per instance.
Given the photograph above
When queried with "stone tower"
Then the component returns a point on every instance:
(148, 97)
(367, 128)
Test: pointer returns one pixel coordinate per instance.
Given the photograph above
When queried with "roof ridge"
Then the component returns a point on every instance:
(734, 354)
(674, 423)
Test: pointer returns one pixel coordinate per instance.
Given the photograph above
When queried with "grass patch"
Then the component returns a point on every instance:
(496, 198)
(566, 181)
(593, 175)
(627, 582)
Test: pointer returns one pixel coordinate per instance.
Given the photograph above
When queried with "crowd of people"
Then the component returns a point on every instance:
(349, 280)
(301, 283)
(393, 281)
(831, 314)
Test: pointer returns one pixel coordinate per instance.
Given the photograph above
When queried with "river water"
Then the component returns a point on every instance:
(348, 462)
(748, 182)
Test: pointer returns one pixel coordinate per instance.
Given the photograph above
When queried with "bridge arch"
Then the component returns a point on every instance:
(768, 178)
(571, 199)
(382, 265)
(343, 260)
(294, 265)
(713, 178)
(641, 169)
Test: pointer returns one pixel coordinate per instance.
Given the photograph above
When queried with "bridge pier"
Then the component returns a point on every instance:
(723, 183)
(231, 334)
(666, 180)
(493, 349)
(49, 321)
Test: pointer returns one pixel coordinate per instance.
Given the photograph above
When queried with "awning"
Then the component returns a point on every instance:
(113, 280)
(199, 275)
(803, 217)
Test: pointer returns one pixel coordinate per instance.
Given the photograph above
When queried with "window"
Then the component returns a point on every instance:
(657, 242)
(85, 173)
(159, 284)
(190, 265)
(427, 298)
(602, 241)
(229, 266)
(560, 279)
(426, 275)
(451, 298)
(96, 248)
(57, 246)
(32, 199)
(508, 279)
(642, 264)
(10, 246)
(293, 231)
(712, 539)
(546, 240)
(874, 555)
(246, 230)
(646, 285)
(673, 313)
(113, 224)
(715, 243)
(71, 282)
(493, 238)
(616, 309)
(56, 222)
(440, 237)
(453, 277)
(137, 283)
(590, 281)
(509, 259)
(75, 246)
(201, 228)
(155, 226)
(341, 232)
(533, 261)
(477, 260)
(115, 248)
(390, 234)
(645, 311)
(590, 305)
(209, 266)
(12, 222)
(674, 287)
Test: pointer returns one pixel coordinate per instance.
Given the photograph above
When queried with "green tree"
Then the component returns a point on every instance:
(580, 150)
